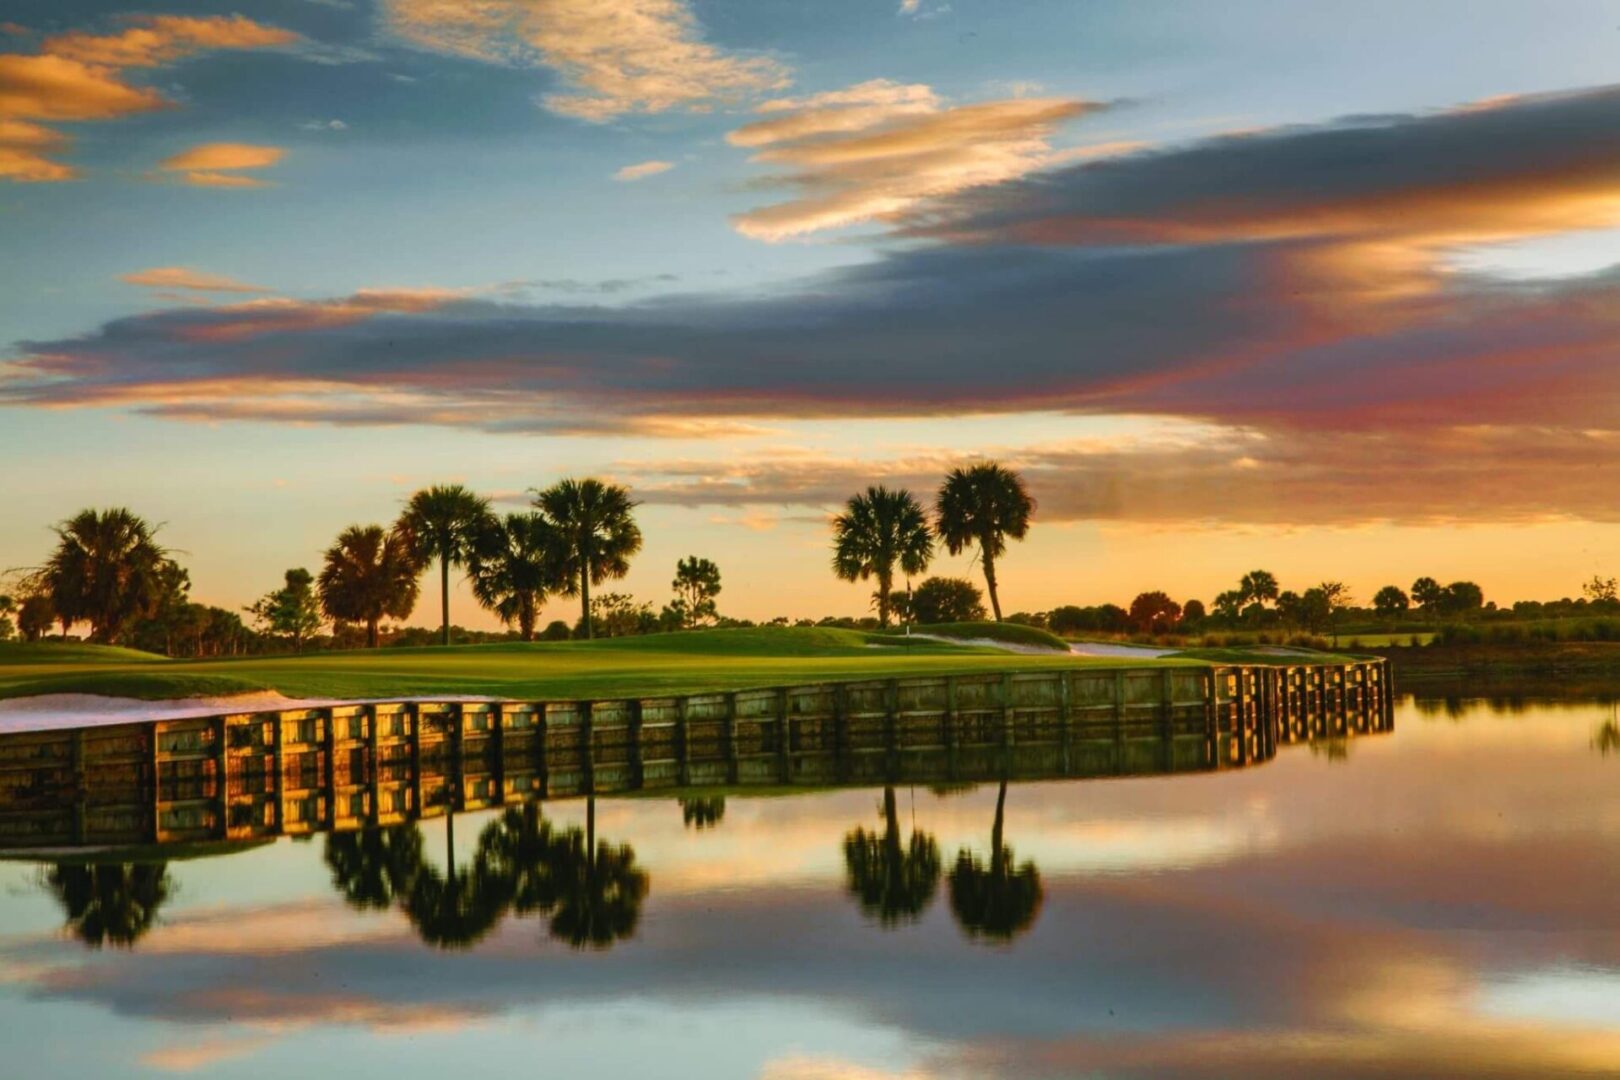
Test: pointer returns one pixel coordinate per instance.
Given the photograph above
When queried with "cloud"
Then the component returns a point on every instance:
(643, 170)
(619, 56)
(221, 164)
(181, 277)
(875, 151)
(78, 76)
(1327, 347)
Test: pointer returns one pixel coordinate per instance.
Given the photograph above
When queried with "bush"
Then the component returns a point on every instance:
(947, 600)
(556, 630)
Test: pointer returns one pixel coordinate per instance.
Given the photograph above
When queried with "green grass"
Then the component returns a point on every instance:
(617, 667)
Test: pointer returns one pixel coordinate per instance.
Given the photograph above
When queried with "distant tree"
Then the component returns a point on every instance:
(1104, 618)
(1427, 594)
(983, 506)
(945, 600)
(443, 522)
(292, 611)
(556, 630)
(1257, 587)
(1602, 590)
(513, 563)
(1390, 601)
(696, 584)
(998, 901)
(1028, 618)
(881, 530)
(1229, 605)
(1336, 598)
(107, 570)
(599, 535)
(35, 616)
(8, 628)
(369, 575)
(1193, 612)
(109, 903)
(1461, 598)
(893, 882)
(619, 615)
(1313, 611)
(703, 813)
(1154, 613)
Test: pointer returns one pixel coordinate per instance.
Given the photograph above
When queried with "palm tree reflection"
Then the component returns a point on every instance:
(1000, 901)
(373, 868)
(597, 888)
(455, 909)
(703, 813)
(893, 883)
(110, 903)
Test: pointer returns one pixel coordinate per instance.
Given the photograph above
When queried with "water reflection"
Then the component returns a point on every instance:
(998, 901)
(892, 881)
(703, 812)
(109, 903)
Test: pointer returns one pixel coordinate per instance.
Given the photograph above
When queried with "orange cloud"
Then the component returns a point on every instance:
(181, 277)
(622, 56)
(877, 150)
(643, 170)
(220, 164)
(78, 77)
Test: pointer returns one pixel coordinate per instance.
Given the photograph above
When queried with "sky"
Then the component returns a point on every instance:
(1330, 289)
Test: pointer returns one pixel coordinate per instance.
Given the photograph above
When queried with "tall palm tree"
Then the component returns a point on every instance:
(893, 883)
(107, 570)
(878, 530)
(369, 574)
(1000, 901)
(443, 522)
(598, 531)
(109, 903)
(513, 564)
(983, 506)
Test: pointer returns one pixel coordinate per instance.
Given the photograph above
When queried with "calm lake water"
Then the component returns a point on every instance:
(1442, 901)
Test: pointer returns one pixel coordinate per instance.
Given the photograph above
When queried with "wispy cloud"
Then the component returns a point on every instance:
(222, 164)
(643, 170)
(619, 56)
(78, 76)
(182, 277)
(877, 150)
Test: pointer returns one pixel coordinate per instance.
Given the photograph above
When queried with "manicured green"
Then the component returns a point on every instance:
(1011, 633)
(693, 662)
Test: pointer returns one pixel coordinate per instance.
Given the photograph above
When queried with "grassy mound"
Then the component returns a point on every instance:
(19, 653)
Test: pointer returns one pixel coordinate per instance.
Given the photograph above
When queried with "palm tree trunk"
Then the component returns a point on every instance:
(371, 634)
(585, 596)
(990, 579)
(995, 833)
(884, 586)
(590, 834)
(444, 600)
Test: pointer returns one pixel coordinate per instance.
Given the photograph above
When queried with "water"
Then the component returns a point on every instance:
(1441, 901)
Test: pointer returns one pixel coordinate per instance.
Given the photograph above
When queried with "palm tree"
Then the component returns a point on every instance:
(599, 534)
(374, 868)
(109, 903)
(369, 574)
(443, 522)
(106, 570)
(598, 888)
(893, 884)
(513, 564)
(878, 529)
(983, 505)
(1000, 901)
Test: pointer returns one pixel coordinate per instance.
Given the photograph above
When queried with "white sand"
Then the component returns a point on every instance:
(46, 712)
(1102, 648)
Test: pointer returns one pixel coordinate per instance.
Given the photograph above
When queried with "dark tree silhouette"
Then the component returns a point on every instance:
(515, 563)
(703, 813)
(374, 868)
(110, 903)
(443, 522)
(599, 535)
(456, 908)
(107, 570)
(997, 902)
(368, 574)
(598, 888)
(879, 530)
(983, 506)
(893, 882)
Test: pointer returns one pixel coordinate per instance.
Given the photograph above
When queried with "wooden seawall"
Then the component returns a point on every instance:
(247, 776)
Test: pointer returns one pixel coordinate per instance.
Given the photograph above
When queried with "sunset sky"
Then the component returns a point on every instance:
(1332, 289)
